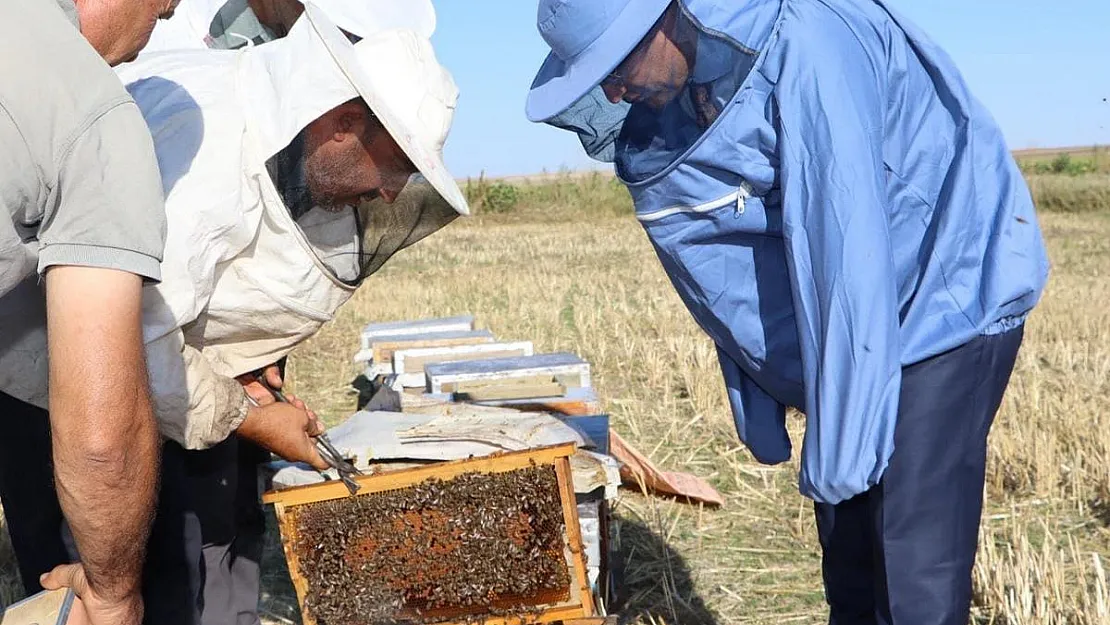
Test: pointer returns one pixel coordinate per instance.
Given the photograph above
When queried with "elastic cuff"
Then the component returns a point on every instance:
(99, 256)
(219, 427)
(227, 423)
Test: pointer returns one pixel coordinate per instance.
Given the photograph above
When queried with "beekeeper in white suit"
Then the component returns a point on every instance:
(292, 170)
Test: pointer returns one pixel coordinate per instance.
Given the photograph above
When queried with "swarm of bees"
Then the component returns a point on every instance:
(476, 544)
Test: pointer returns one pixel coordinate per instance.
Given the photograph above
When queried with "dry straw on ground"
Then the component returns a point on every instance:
(569, 268)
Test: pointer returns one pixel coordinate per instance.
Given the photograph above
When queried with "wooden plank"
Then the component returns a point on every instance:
(494, 463)
(638, 471)
(49, 607)
(495, 392)
(568, 369)
(550, 615)
(417, 326)
(416, 364)
(555, 405)
(414, 360)
(397, 329)
(382, 351)
(574, 534)
(426, 404)
(288, 529)
(470, 385)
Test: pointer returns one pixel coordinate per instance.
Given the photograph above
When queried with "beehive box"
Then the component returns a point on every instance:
(409, 364)
(379, 355)
(374, 331)
(494, 540)
(561, 369)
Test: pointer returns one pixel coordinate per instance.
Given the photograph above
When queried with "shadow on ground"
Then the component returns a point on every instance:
(654, 584)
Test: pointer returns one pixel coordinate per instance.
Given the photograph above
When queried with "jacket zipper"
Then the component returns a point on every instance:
(737, 197)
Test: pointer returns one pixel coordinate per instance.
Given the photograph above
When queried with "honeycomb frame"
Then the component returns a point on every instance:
(580, 603)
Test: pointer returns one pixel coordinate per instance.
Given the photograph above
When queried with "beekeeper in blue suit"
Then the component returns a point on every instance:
(844, 219)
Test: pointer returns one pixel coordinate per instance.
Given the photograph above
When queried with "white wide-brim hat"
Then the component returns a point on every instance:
(362, 17)
(396, 73)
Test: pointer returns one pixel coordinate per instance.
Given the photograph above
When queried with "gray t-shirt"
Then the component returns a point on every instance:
(78, 174)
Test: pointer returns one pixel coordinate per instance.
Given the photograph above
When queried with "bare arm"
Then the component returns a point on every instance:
(104, 436)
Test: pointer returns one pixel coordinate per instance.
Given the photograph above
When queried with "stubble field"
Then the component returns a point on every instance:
(566, 265)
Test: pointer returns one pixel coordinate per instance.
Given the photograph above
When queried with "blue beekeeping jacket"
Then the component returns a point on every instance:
(832, 204)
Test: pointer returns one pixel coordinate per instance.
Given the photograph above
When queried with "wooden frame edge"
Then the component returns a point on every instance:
(493, 463)
(574, 534)
(557, 455)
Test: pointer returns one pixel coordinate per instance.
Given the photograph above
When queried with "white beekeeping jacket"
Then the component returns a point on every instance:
(242, 282)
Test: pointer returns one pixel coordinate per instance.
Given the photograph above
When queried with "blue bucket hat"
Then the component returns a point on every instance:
(588, 39)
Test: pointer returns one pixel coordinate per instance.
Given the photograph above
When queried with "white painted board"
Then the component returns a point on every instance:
(555, 364)
(453, 353)
(461, 323)
(366, 354)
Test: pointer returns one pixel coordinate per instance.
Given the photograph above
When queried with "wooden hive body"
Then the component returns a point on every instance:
(409, 364)
(575, 601)
(374, 331)
(379, 356)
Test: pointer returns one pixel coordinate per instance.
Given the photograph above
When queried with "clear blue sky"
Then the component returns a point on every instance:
(1041, 66)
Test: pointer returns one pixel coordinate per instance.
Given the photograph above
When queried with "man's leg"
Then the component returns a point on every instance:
(927, 507)
(250, 536)
(227, 500)
(31, 509)
(172, 577)
(224, 496)
(848, 560)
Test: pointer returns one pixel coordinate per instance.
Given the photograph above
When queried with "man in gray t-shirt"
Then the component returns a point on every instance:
(81, 212)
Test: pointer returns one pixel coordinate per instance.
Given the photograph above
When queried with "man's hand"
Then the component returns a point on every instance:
(271, 376)
(105, 441)
(89, 608)
(286, 430)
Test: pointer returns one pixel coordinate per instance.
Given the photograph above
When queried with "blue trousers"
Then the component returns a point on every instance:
(902, 553)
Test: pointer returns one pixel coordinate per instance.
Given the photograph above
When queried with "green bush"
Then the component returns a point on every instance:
(546, 197)
(492, 197)
(500, 197)
(1094, 161)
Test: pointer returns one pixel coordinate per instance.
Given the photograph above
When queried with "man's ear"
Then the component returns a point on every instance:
(348, 123)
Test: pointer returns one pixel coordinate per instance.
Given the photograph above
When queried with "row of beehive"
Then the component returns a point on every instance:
(449, 360)
(428, 365)
(414, 365)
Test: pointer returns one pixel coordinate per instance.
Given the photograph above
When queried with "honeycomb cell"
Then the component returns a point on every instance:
(479, 544)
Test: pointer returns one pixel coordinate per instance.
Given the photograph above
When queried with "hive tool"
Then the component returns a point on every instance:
(327, 450)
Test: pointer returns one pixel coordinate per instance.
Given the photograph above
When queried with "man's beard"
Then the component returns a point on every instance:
(326, 179)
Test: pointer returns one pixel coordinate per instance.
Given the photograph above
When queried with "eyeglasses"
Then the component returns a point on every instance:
(614, 80)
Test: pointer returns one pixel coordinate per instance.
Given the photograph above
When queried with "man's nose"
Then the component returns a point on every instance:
(614, 93)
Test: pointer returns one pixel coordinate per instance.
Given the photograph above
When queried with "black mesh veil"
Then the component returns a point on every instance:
(664, 110)
(356, 242)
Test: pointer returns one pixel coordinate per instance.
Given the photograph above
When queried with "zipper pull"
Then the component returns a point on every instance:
(742, 195)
